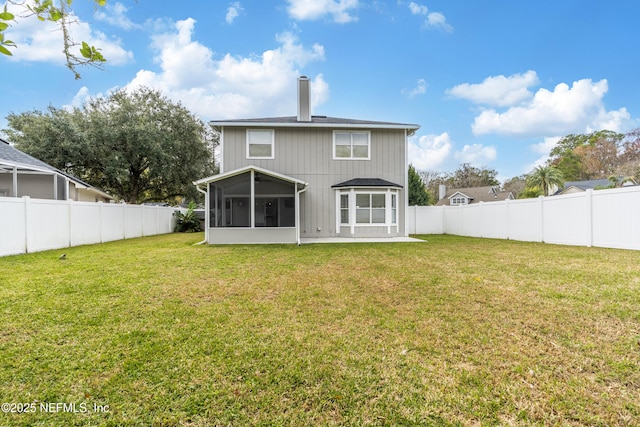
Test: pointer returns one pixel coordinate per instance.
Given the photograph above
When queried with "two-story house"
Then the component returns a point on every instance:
(286, 178)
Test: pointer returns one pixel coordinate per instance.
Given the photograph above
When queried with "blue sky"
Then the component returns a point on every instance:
(492, 83)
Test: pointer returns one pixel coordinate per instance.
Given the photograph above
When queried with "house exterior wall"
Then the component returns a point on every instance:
(6, 184)
(82, 195)
(32, 185)
(41, 186)
(307, 154)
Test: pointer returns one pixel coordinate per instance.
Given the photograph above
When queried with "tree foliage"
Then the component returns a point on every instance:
(60, 13)
(418, 195)
(587, 156)
(464, 176)
(139, 146)
(515, 185)
(545, 178)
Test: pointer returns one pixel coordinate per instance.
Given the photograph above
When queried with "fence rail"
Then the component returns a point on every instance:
(603, 218)
(31, 225)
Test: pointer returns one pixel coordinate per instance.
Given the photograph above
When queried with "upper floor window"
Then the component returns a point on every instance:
(351, 145)
(260, 144)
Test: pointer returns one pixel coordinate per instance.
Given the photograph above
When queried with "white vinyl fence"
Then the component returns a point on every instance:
(604, 218)
(31, 225)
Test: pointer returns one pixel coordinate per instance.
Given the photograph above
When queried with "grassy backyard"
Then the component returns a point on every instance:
(454, 331)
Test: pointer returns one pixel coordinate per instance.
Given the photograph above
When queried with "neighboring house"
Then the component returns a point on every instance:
(286, 178)
(593, 184)
(467, 196)
(24, 175)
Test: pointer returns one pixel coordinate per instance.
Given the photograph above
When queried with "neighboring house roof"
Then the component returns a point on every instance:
(589, 184)
(317, 121)
(11, 156)
(366, 182)
(592, 184)
(476, 195)
(221, 176)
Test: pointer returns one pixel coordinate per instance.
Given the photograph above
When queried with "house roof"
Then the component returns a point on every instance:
(366, 182)
(316, 121)
(11, 157)
(221, 176)
(476, 194)
(589, 184)
(592, 184)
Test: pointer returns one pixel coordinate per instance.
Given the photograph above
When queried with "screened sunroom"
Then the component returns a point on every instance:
(252, 205)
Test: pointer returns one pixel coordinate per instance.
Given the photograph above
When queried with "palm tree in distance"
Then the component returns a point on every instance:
(545, 177)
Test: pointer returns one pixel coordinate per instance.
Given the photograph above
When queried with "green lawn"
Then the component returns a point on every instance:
(454, 331)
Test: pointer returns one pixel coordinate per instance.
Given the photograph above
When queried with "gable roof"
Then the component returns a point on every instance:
(11, 157)
(366, 182)
(316, 121)
(222, 176)
(592, 184)
(587, 184)
(476, 194)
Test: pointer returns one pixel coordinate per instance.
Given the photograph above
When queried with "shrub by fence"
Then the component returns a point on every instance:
(604, 218)
(31, 225)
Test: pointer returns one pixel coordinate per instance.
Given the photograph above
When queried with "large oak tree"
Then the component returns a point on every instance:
(137, 145)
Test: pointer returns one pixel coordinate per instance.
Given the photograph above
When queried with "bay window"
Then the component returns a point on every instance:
(367, 207)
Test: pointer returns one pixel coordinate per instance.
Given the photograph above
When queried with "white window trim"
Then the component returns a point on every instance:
(273, 148)
(455, 201)
(352, 192)
(351, 158)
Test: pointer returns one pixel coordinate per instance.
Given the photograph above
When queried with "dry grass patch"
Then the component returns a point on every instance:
(455, 331)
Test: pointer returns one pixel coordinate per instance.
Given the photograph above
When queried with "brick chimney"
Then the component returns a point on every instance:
(304, 99)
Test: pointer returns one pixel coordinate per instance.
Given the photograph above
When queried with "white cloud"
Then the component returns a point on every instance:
(42, 41)
(79, 99)
(231, 86)
(498, 90)
(116, 15)
(421, 87)
(309, 10)
(543, 149)
(559, 112)
(429, 151)
(435, 20)
(417, 9)
(233, 11)
(476, 154)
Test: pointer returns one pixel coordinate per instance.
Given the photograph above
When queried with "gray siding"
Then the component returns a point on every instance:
(307, 154)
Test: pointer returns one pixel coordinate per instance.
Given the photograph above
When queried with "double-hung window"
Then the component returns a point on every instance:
(260, 144)
(370, 208)
(351, 145)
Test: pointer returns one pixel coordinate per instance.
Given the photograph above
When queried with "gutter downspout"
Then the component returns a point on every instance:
(206, 216)
(298, 192)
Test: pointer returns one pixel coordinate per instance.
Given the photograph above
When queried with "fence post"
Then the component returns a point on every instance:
(69, 223)
(541, 199)
(482, 218)
(507, 214)
(589, 201)
(27, 220)
(100, 214)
